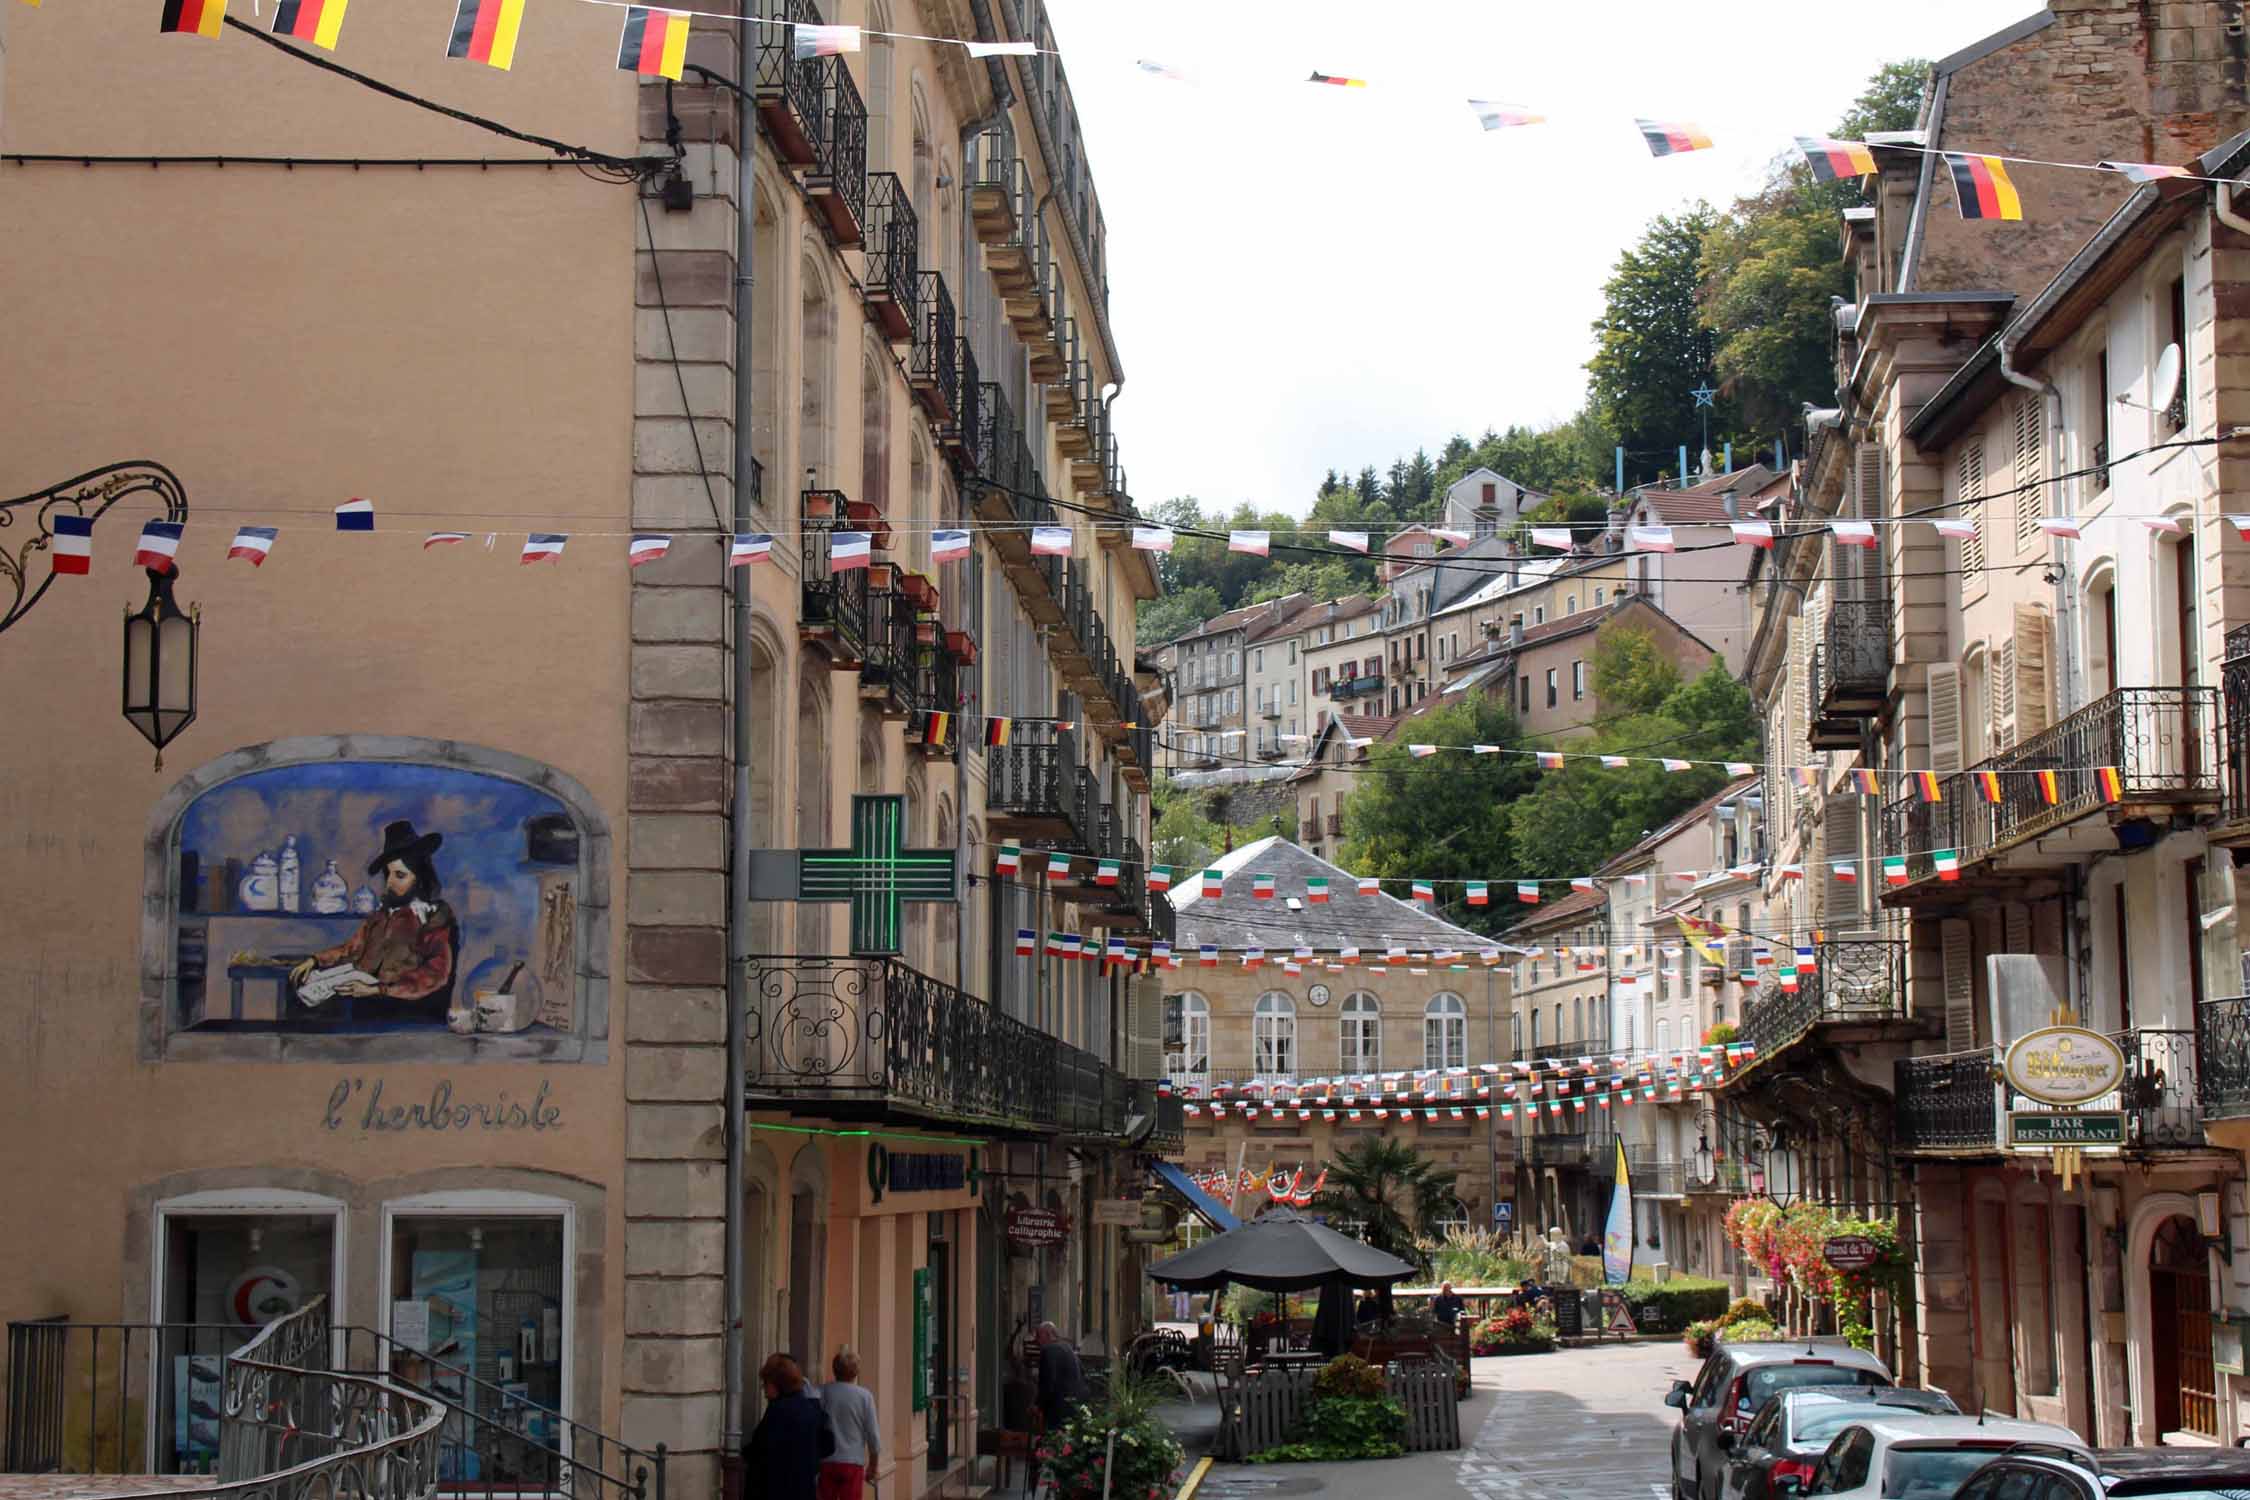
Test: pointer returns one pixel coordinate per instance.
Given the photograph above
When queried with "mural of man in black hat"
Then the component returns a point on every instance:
(410, 941)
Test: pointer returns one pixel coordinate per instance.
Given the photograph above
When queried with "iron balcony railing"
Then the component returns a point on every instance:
(1574, 1148)
(1856, 653)
(1948, 1102)
(839, 166)
(933, 363)
(1163, 918)
(2162, 1103)
(791, 91)
(1657, 1177)
(1031, 777)
(1170, 1133)
(893, 245)
(2163, 742)
(1858, 980)
(868, 1038)
(960, 434)
(2222, 1039)
(836, 604)
(1366, 684)
(2234, 684)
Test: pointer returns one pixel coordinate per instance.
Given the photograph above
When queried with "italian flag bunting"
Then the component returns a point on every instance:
(1010, 860)
(1160, 877)
(1948, 862)
(1894, 869)
(1316, 888)
(1480, 893)
(1214, 884)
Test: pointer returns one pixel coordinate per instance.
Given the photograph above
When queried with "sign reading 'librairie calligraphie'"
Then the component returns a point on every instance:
(2100, 1129)
(1036, 1228)
(2063, 1065)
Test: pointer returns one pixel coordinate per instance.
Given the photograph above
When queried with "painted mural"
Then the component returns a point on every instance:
(367, 897)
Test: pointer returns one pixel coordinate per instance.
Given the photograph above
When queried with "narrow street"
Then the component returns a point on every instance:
(1578, 1424)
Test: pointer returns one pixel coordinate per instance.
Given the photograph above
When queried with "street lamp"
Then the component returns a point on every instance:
(1706, 1165)
(1773, 1166)
(159, 689)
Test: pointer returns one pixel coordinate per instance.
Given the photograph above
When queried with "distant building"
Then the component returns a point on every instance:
(1482, 502)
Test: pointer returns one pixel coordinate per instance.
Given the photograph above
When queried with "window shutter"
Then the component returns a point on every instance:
(1839, 826)
(2015, 927)
(1968, 488)
(1800, 669)
(1144, 1028)
(1854, 565)
(2003, 689)
(2030, 469)
(2032, 690)
(1960, 984)
(1945, 718)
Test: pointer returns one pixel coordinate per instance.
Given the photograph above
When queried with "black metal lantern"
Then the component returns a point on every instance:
(1774, 1167)
(1706, 1165)
(160, 666)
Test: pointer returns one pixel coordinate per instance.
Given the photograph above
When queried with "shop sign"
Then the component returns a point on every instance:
(918, 1172)
(359, 1102)
(1124, 1213)
(2028, 1128)
(1850, 1252)
(1036, 1228)
(2063, 1065)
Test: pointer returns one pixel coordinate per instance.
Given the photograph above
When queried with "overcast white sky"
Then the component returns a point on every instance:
(1306, 277)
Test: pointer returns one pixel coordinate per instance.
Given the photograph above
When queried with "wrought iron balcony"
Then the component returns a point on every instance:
(893, 246)
(1365, 685)
(2163, 743)
(873, 1039)
(1948, 1103)
(1854, 981)
(837, 179)
(1092, 1098)
(1657, 1177)
(2234, 686)
(899, 673)
(2222, 1038)
(933, 366)
(1574, 1148)
(1335, 825)
(1163, 918)
(958, 435)
(1730, 1178)
(2160, 1097)
(791, 92)
(1855, 656)
(1001, 203)
(1032, 787)
(837, 610)
(1170, 1109)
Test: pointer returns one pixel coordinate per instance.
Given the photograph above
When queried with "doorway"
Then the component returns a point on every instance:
(937, 1350)
(2179, 1287)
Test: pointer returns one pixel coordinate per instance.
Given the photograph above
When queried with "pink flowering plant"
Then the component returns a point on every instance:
(1118, 1438)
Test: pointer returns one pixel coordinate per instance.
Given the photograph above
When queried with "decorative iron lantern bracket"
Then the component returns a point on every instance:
(91, 495)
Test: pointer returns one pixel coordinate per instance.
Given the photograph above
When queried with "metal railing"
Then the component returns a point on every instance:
(2162, 1104)
(893, 243)
(293, 1429)
(2234, 685)
(1574, 1148)
(1029, 777)
(1856, 649)
(1170, 1133)
(2222, 1039)
(1852, 980)
(1948, 1102)
(836, 604)
(1658, 1177)
(933, 365)
(1361, 686)
(782, 75)
(840, 155)
(959, 434)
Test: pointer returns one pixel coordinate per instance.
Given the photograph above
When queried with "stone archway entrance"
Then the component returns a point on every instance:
(2179, 1283)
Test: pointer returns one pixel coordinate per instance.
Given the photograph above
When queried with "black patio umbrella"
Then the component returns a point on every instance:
(1283, 1251)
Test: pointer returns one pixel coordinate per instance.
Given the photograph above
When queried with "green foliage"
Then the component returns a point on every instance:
(1745, 1310)
(1892, 100)
(1652, 348)
(1323, 578)
(1475, 1257)
(1334, 1428)
(1632, 675)
(1750, 1331)
(1719, 1033)
(1390, 1190)
(1348, 1376)
(1701, 1337)
(1192, 825)
(1173, 615)
(1140, 1462)
(1666, 1306)
(1519, 1330)
(1446, 816)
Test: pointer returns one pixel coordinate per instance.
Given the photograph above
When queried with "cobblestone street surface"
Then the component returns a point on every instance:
(1578, 1424)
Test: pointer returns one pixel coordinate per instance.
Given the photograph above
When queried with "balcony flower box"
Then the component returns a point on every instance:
(820, 505)
(919, 588)
(868, 516)
(963, 646)
(881, 576)
(925, 632)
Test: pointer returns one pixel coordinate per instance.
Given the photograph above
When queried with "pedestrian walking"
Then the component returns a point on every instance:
(851, 1409)
(1062, 1380)
(783, 1457)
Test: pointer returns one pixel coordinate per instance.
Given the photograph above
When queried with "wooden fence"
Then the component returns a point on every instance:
(1261, 1412)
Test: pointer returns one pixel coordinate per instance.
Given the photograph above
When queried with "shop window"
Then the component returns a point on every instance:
(443, 896)
(479, 1313)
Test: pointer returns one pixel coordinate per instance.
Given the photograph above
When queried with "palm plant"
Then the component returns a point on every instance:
(1392, 1192)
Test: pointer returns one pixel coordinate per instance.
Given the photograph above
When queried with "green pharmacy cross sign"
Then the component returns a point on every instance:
(877, 875)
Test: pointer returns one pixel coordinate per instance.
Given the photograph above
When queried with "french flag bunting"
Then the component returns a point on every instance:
(1652, 538)
(1152, 538)
(2060, 526)
(1256, 543)
(544, 546)
(1557, 537)
(849, 549)
(948, 546)
(444, 539)
(1355, 541)
(159, 546)
(1026, 942)
(74, 544)
(1853, 533)
(252, 543)
(808, 41)
(1050, 541)
(1961, 527)
(646, 547)
(356, 515)
(749, 547)
(1448, 534)
(1752, 533)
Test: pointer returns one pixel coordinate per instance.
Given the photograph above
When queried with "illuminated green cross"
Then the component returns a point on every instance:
(878, 875)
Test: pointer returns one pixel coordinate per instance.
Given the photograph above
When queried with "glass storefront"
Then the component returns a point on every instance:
(477, 1315)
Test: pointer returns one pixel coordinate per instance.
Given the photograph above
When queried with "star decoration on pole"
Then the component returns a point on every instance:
(1703, 395)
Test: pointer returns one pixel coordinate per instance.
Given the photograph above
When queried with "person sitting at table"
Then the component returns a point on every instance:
(1370, 1310)
(1446, 1306)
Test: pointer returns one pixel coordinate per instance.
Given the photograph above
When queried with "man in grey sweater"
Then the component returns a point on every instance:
(851, 1409)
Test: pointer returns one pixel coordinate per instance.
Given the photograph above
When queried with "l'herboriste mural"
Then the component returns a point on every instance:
(356, 897)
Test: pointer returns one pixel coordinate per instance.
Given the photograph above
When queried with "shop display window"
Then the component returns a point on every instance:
(477, 1316)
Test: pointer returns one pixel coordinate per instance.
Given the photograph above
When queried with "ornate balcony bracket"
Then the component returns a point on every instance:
(91, 495)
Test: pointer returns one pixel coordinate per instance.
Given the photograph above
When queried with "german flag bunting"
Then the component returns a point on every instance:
(1983, 188)
(1988, 785)
(1836, 161)
(484, 31)
(1670, 137)
(2050, 787)
(314, 21)
(996, 730)
(1926, 786)
(654, 43)
(196, 17)
(2112, 785)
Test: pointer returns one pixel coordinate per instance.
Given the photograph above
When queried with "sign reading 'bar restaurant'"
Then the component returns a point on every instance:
(2041, 1129)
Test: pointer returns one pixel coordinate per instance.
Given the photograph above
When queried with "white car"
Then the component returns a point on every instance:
(1927, 1458)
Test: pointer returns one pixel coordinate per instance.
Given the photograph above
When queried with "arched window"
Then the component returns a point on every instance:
(1190, 1062)
(919, 515)
(1535, 1043)
(1363, 1033)
(1273, 1035)
(1578, 1018)
(874, 435)
(1445, 1032)
(817, 388)
(1663, 1038)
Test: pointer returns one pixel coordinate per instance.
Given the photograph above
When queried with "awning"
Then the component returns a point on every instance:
(1207, 1208)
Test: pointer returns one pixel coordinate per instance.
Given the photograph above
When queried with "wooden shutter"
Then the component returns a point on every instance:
(2032, 689)
(2015, 927)
(1144, 1028)
(2002, 686)
(1800, 669)
(1854, 565)
(1960, 984)
(1944, 683)
(1839, 826)
(1968, 488)
(2030, 469)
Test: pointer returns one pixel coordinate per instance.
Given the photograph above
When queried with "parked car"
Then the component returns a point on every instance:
(1791, 1431)
(1927, 1458)
(1734, 1383)
(2127, 1473)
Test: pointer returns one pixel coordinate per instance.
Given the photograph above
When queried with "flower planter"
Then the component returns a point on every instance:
(918, 588)
(963, 646)
(879, 576)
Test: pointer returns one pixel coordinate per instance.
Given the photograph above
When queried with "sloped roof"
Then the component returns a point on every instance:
(1571, 908)
(1705, 501)
(1290, 610)
(1238, 919)
(1649, 843)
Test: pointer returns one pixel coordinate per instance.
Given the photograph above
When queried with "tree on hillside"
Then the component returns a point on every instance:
(1771, 268)
(1173, 615)
(1446, 816)
(1652, 347)
(1631, 674)
(1322, 578)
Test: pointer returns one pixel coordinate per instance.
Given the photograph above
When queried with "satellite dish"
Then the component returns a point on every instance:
(2167, 382)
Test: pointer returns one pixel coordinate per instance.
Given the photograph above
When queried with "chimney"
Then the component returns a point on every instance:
(1515, 630)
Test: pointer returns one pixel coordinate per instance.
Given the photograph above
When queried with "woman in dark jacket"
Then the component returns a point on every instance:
(782, 1459)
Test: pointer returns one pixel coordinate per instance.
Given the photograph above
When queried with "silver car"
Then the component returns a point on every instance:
(1734, 1383)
